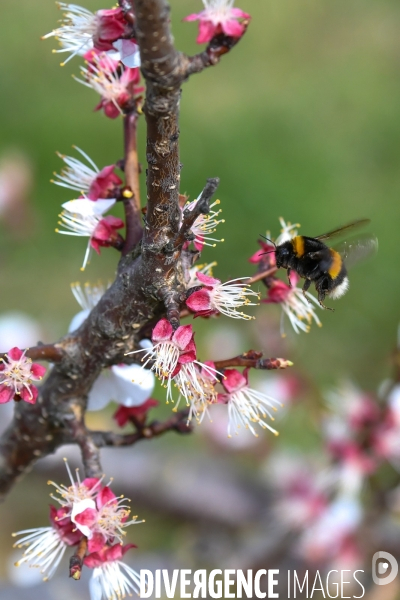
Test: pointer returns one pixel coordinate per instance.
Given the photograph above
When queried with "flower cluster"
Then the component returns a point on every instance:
(17, 372)
(105, 40)
(90, 513)
(173, 358)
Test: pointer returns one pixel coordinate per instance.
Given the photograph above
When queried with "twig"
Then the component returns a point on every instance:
(253, 360)
(76, 560)
(50, 352)
(218, 46)
(202, 207)
(178, 423)
(131, 193)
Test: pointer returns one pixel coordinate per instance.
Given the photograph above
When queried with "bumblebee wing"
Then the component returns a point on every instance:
(358, 248)
(344, 228)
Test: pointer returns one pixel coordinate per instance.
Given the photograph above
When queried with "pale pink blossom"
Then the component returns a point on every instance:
(17, 372)
(117, 90)
(45, 546)
(245, 405)
(104, 519)
(82, 30)
(84, 218)
(173, 358)
(218, 16)
(92, 182)
(205, 225)
(112, 579)
(298, 307)
(78, 490)
(216, 297)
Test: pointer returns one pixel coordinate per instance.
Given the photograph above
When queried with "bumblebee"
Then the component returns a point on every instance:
(326, 267)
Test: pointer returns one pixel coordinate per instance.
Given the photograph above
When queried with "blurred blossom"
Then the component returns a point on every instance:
(302, 490)
(352, 405)
(232, 344)
(16, 183)
(284, 388)
(18, 329)
(325, 539)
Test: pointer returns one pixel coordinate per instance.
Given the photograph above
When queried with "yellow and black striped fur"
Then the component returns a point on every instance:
(315, 262)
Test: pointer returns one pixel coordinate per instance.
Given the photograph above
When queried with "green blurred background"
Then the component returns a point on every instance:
(300, 120)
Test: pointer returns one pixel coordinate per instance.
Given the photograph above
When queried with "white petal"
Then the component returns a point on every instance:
(132, 393)
(129, 53)
(95, 588)
(146, 344)
(103, 391)
(79, 507)
(78, 319)
(86, 207)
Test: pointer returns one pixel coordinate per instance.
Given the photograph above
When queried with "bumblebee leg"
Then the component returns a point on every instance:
(288, 271)
(321, 298)
(306, 285)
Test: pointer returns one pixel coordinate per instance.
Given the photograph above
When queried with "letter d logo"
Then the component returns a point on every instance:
(382, 567)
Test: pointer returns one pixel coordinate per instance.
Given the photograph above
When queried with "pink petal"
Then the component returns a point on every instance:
(199, 301)
(123, 413)
(256, 257)
(193, 17)
(105, 495)
(38, 370)
(162, 332)
(110, 110)
(87, 517)
(15, 353)
(222, 399)
(278, 292)
(90, 482)
(93, 560)
(29, 395)
(238, 13)
(207, 30)
(95, 245)
(6, 394)
(187, 358)
(96, 542)
(199, 243)
(183, 336)
(233, 380)
(117, 551)
(114, 222)
(130, 76)
(232, 28)
(207, 280)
